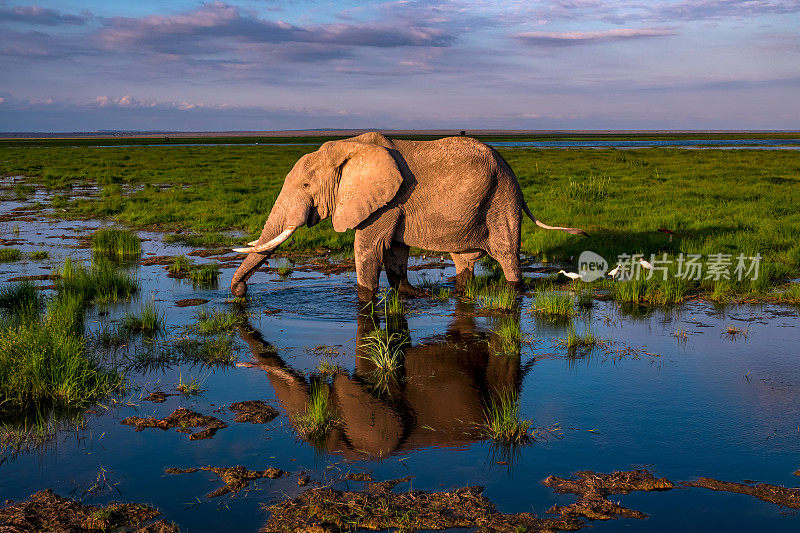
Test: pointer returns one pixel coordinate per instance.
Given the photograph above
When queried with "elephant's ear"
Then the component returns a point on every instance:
(370, 179)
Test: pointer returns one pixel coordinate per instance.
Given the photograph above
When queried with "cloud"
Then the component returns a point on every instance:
(571, 38)
(691, 10)
(219, 26)
(39, 15)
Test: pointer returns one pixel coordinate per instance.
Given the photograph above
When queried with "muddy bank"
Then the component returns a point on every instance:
(327, 509)
(235, 477)
(46, 511)
(593, 490)
(253, 411)
(769, 493)
(182, 419)
(191, 302)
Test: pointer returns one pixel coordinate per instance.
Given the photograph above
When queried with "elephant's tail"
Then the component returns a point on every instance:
(574, 231)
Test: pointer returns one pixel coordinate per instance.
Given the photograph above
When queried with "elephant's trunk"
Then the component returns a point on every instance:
(278, 228)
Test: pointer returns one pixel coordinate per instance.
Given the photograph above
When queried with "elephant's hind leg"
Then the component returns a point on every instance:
(509, 262)
(395, 261)
(465, 267)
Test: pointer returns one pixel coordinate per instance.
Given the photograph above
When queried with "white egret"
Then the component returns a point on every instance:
(645, 264)
(613, 273)
(571, 275)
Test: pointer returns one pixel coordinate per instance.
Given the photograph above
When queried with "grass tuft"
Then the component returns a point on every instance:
(149, 320)
(497, 295)
(39, 255)
(214, 322)
(116, 243)
(509, 335)
(44, 362)
(101, 283)
(554, 305)
(7, 255)
(22, 297)
(384, 349)
(502, 419)
(319, 417)
(205, 274)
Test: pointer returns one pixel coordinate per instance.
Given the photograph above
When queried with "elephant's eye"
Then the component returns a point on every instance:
(306, 185)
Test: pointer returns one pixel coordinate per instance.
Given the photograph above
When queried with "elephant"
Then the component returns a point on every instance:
(455, 195)
(439, 398)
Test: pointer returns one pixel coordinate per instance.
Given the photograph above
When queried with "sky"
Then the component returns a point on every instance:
(182, 65)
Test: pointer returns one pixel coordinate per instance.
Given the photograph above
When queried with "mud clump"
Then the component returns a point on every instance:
(253, 411)
(190, 302)
(46, 511)
(39, 277)
(182, 419)
(593, 490)
(235, 477)
(327, 509)
(358, 476)
(157, 397)
(161, 260)
(769, 493)
(209, 252)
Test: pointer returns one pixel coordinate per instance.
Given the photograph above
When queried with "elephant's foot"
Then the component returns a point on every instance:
(239, 289)
(463, 278)
(518, 286)
(365, 295)
(407, 289)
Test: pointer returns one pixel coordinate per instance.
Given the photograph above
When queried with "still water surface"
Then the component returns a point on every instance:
(706, 406)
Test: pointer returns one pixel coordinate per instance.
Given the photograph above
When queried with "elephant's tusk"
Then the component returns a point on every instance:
(252, 243)
(268, 246)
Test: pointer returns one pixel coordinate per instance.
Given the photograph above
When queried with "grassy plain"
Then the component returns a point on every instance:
(715, 201)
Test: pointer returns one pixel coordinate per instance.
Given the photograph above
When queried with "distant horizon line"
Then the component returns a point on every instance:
(319, 132)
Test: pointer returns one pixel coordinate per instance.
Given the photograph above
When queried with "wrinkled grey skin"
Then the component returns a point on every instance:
(453, 195)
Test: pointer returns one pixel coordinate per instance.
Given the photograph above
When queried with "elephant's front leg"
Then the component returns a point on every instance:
(395, 261)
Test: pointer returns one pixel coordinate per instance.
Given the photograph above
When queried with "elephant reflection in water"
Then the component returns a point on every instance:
(438, 397)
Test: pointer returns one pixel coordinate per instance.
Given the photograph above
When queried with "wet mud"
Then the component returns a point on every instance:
(235, 477)
(157, 396)
(181, 419)
(191, 302)
(47, 511)
(594, 489)
(358, 476)
(776, 494)
(253, 411)
(328, 509)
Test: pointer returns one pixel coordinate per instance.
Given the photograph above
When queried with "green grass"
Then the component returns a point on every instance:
(44, 362)
(21, 297)
(116, 243)
(384, 349)
(790, 295)
(502, 419)
(393, 305)
(326, 368)
(101, 283)
(205, 274)
(149, 320)
(442, 294)
(730, 201)
(39, 255)
(554, 304)
(630, 292)
(574, 341)
(498, 295)
(8, 255)
(214, 322)
(180, 264)
(319, 417)
(188, 388)
(509, 335)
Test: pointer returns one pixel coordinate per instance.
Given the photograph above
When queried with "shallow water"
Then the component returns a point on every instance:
(706, 406)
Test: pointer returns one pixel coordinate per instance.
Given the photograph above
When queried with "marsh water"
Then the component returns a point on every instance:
(667, 390)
